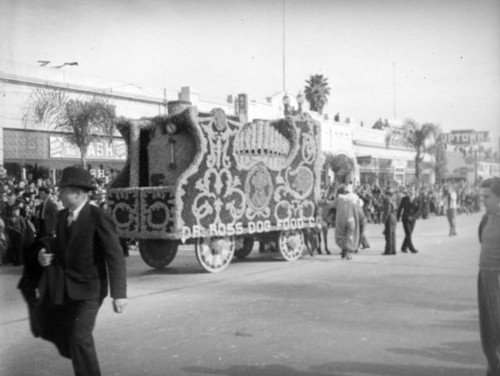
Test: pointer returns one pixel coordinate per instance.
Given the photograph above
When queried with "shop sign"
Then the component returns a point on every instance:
(102, 149)
(101, 174)
(364, 160)
(398, 164)
(465, 137)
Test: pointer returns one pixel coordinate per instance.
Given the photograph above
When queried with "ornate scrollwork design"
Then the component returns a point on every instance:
(219, 195)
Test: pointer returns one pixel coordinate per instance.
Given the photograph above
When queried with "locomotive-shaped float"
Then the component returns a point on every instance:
(219, 182)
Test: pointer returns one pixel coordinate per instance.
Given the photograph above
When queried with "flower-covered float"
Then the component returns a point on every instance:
(218, 182)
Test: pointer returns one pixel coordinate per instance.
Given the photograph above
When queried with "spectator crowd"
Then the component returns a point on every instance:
(23, 208)
(24, 216)
(432, 198)
(349, 209)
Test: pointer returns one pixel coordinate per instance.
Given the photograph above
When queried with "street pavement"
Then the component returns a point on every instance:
(403, 315)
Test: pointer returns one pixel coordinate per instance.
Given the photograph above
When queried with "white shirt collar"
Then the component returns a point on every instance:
(77, 211)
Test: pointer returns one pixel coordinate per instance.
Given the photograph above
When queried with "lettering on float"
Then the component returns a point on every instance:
(255, 227)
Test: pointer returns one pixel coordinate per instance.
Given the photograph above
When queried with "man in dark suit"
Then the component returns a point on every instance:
(390, 222)
(47, 213)
(409, 210)
(85, 257)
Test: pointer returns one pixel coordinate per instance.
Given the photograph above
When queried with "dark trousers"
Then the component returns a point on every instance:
(451, 214)
(408, 226)
(82, 348)
(15, 248)
(390, 235)
(69, 327)
(363, 241)
(489, 318)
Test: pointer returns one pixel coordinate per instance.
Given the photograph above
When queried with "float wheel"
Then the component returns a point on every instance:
(291, 244)
(158, 253)
(215, 254)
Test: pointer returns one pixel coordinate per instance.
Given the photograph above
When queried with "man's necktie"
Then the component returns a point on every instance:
(71, 218)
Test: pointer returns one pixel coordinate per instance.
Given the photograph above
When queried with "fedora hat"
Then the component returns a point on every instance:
(76, 177)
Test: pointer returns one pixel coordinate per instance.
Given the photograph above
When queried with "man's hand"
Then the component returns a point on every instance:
(44, 258)
(119, 305)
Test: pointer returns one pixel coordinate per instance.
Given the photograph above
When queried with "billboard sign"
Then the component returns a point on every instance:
(60, 147)
(465, 137)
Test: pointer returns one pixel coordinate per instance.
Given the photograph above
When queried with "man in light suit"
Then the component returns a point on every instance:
(85, 257)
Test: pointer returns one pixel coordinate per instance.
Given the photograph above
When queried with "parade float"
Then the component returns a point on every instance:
(218, 182)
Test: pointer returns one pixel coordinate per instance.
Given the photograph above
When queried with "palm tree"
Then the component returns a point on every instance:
(421, 137)
(83, 120)
(317, 92)
(440, 159)
(340, 164)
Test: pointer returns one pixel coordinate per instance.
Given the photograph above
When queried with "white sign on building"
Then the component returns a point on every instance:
(62, 148)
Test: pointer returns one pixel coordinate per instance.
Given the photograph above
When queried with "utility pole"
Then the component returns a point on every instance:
(394, 87)
(475, 165)
(165, 101)
(284, 85)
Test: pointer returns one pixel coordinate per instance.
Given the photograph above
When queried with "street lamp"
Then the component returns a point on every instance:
(475, 149)
(286, 105)
(300, 101)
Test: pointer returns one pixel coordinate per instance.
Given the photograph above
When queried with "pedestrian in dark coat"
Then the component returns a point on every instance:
(410, 208)
(85, 258)
(16, 230)
(389, 220)
(489, 275)
(46, 214)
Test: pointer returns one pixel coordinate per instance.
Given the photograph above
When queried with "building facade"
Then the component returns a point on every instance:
(28, 146)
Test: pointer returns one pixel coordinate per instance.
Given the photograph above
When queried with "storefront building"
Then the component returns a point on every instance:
(382, 163)
(38, 149)
(30, 147)
(44, 154)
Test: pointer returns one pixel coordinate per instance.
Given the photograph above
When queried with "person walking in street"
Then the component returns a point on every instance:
(363, 240)
(16, 229)
(409, 210)
(489, 275)
(3, 242)
(46, 213)
(347, 231)
(85, 257)
(450, 199)
(390, 222)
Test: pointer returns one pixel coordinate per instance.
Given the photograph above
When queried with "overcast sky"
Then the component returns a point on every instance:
(443, 57)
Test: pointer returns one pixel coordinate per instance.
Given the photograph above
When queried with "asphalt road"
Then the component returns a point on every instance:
(374, 315)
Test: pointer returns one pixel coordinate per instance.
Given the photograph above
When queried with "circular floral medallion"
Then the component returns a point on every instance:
(259, 186)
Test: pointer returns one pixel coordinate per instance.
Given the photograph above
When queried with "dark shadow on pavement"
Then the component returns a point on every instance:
(338, 369)
(377, 369)
(466, 353)
(471, 325)
(269, 370)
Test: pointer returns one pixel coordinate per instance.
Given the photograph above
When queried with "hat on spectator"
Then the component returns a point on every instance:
(44, 189)
(76, 177)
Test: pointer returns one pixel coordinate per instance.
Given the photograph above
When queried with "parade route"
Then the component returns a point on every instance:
(403, 315)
